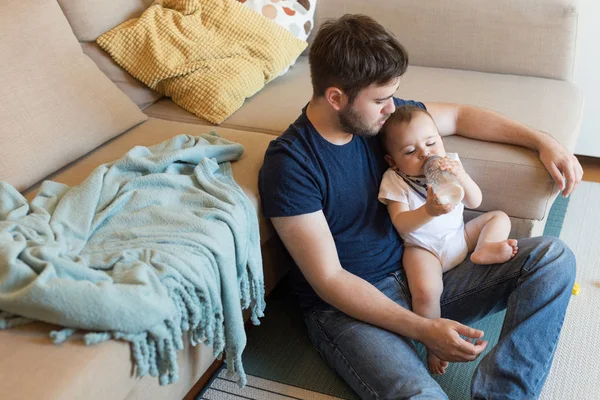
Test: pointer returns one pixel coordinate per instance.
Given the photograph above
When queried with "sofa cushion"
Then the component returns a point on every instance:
(57, 105)
(512, 178)
(547, 104)
(63, 371)
(75, 371)
(521, 37)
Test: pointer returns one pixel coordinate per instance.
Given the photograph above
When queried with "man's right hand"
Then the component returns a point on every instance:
(433, 206)
(443, 338)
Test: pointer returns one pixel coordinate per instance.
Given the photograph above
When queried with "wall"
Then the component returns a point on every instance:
(587, 76)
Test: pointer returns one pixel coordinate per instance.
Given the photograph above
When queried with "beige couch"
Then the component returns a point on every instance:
(61, 117)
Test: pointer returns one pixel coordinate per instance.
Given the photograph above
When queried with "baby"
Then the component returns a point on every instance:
(435, 237)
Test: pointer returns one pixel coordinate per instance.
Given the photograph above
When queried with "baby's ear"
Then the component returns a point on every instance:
(390, 161)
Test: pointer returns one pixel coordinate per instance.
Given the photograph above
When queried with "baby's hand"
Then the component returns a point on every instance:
(453, 166)
(433, 206)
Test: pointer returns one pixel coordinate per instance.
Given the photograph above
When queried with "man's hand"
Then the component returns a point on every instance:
(561, 165)
(433, 206)
(443, 338)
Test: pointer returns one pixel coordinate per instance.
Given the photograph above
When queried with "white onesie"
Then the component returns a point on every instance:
(444, 235)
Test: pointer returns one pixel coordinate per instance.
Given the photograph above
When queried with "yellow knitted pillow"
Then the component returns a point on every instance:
(207, 55)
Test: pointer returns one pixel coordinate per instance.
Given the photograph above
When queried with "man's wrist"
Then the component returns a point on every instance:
(420, 328)
(540, 140)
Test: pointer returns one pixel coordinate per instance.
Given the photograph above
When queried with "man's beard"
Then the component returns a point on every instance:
(353, 123)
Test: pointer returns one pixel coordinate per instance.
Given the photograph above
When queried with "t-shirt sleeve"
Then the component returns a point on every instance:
(287, 182)
(401, 102)
(393, 188)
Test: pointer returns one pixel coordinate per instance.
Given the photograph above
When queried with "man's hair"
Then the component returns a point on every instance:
(353, 52)
(402, 115)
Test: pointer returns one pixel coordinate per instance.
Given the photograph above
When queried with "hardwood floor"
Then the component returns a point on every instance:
(591, 168)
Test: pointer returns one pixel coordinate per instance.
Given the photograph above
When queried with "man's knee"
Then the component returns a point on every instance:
(554, 256)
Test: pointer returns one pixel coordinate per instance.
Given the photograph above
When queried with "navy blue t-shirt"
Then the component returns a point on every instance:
(304, 173)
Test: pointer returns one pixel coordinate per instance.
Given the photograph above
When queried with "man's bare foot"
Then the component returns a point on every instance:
(436, 365)
(495, 252)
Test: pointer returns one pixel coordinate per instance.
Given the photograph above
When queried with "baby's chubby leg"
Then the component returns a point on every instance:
(424, 275)
(487, 238)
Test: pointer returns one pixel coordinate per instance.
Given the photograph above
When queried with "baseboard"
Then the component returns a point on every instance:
(203, 381)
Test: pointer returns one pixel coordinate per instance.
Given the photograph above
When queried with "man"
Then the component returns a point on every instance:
(319, 186)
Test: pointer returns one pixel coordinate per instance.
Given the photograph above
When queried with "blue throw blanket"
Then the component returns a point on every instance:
(158, 243)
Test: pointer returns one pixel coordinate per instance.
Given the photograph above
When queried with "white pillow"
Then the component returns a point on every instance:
(297, 16)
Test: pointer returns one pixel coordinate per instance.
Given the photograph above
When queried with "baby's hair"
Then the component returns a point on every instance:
(402, 115)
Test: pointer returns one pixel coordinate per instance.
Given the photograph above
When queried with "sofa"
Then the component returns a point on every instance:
(515, 57)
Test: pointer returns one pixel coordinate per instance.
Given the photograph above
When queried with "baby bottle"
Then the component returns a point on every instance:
(443, 183)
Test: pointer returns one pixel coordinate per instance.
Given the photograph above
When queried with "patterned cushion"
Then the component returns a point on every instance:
(297, 16)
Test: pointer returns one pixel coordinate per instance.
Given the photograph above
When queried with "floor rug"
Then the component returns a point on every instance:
(575, 373)
(279, 352)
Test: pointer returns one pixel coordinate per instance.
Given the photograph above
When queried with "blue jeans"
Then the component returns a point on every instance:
(534, 288)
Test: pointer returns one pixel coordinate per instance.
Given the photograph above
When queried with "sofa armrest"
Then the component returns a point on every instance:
(520, 37)
(512, 178)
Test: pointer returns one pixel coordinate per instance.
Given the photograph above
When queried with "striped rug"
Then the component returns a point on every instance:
(282, 364)
(222, 388)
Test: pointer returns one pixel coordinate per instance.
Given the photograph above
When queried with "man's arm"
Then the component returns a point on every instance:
(479, 123)
(310, 243)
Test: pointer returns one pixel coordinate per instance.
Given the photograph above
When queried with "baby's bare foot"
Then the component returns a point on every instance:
(495, 252)
(436, 365)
